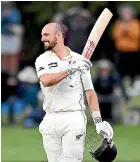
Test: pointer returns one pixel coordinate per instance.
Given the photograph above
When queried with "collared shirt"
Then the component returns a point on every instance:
(62, 97)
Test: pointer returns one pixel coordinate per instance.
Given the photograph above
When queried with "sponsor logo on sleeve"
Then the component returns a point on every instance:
(41, 68)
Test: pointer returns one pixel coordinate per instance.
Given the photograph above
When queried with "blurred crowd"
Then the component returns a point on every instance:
(21, 96)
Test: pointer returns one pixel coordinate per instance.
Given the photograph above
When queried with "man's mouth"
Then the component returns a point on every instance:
(46, 42)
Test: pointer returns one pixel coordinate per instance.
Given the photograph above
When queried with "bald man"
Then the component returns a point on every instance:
(63, 128)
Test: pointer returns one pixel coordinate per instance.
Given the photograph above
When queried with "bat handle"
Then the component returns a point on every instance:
(72, 84)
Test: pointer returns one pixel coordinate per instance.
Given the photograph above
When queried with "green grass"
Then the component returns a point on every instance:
(19, 144)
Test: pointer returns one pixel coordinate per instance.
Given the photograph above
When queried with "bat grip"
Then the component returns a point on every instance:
(72, 84)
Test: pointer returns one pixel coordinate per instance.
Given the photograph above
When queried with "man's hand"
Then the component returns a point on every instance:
(106, 129)
(82, 66)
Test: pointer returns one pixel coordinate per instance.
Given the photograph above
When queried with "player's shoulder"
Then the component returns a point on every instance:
(76, 55)
(44, 56)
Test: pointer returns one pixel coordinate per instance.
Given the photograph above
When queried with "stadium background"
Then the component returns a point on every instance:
(20, 140)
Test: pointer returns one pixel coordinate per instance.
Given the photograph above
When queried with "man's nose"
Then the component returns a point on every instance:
(42, 38)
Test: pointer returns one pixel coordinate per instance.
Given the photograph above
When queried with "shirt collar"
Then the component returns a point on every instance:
(67, 57)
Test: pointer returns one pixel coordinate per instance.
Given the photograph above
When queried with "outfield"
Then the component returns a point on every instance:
(19, 144)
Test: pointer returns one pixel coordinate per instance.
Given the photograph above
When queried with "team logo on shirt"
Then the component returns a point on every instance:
(53, 64)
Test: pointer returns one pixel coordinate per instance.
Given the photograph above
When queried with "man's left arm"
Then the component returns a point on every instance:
(101, 126)
(91, 97)
(93, 104)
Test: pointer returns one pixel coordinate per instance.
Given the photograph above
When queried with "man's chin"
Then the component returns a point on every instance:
(47, 48)
(50, 47)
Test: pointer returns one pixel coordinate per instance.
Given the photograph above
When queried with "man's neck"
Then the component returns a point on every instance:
(61, 52)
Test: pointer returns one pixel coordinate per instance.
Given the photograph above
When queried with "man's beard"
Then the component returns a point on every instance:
(51, 45)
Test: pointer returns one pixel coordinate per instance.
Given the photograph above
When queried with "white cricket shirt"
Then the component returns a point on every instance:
(62, 97)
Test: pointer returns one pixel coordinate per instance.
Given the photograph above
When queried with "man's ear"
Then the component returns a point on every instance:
(58, 35)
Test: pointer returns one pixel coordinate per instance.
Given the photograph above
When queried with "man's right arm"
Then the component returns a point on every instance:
(52, 79)
(43, 72)
(49, 79)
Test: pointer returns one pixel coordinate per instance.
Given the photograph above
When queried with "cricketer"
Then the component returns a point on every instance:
(63, 128)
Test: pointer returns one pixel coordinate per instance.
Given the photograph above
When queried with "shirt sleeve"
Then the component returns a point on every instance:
(87, 81)
(41, 67)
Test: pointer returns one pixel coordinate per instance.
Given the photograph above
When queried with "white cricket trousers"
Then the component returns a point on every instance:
(63, 136)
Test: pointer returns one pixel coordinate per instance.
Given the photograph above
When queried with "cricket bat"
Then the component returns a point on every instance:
(94, 37)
